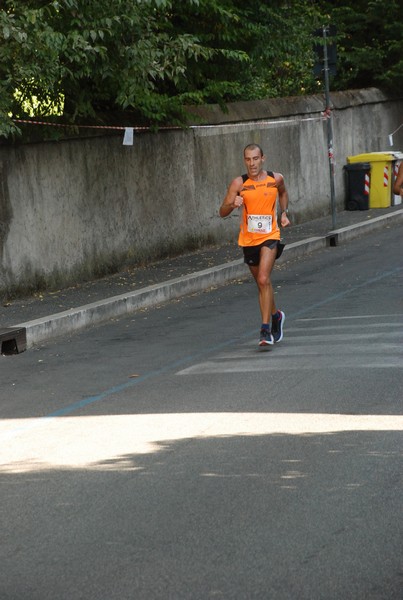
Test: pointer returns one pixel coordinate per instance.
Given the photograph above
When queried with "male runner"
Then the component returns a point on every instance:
(257, 193)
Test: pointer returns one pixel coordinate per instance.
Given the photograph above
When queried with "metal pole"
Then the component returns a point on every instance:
(328, 114)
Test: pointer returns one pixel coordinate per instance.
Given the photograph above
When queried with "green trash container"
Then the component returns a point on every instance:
(380, 192)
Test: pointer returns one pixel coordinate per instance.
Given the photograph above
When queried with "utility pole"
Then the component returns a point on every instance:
(328, 114)
(324, 31)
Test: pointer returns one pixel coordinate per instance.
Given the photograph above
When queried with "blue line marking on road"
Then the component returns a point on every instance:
(185, 360)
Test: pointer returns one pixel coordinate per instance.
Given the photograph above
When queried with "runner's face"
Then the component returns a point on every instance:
(253, 161)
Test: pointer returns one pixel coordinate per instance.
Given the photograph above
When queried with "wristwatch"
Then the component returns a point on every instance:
(286, 211)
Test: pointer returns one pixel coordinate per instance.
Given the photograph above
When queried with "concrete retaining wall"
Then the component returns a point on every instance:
(80, 208)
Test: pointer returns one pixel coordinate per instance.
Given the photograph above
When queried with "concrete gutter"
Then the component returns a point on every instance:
(67, 322)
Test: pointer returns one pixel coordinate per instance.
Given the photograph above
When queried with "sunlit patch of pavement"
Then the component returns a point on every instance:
(112, 442)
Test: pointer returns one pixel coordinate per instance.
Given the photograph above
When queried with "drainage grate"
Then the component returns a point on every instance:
(13, 340)
(332, 240)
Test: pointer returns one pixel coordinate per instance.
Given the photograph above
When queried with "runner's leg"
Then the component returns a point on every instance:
(261, 274)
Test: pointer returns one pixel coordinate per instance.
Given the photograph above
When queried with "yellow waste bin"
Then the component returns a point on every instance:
(380, 187)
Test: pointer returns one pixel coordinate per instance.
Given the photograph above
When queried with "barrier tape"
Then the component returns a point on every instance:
(116, 127)
(129, 131)
(323, 116)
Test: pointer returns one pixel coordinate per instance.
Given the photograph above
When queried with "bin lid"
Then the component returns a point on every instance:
(371, 157)
(358, 166)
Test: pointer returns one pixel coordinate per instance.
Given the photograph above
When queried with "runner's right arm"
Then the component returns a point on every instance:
(233, 199)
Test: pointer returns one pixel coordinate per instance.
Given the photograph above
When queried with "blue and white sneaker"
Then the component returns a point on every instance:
(266, 338)
(277, 324)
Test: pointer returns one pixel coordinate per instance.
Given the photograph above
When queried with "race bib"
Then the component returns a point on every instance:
(259, 223)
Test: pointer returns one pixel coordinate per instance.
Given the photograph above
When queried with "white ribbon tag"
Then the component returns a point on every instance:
(128, 137)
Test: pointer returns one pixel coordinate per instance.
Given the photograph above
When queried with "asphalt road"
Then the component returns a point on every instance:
(163, 456)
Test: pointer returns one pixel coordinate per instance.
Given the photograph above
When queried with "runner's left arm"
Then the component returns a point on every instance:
(283, 199)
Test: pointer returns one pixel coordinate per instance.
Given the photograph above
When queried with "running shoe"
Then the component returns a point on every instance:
(277, 324)
(266, 338)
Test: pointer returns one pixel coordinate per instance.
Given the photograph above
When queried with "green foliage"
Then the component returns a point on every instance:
(369, 43)
(88, 59)
(280, 44)
(77, 61)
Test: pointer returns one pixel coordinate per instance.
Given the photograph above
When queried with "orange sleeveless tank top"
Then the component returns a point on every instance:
(258, 219)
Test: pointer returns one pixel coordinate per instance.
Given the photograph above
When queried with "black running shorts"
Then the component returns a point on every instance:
(252, 253)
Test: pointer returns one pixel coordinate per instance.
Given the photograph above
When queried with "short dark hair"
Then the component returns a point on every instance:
(253, 147)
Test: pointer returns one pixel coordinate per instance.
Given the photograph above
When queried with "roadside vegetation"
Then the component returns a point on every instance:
(142, 62)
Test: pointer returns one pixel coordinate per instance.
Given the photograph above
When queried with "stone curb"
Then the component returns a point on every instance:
(67, 322)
